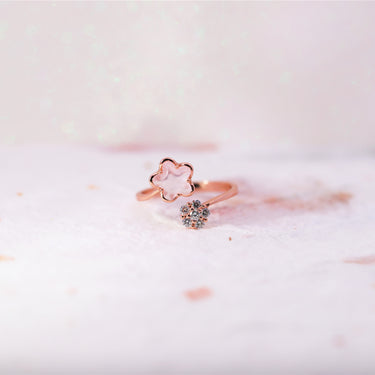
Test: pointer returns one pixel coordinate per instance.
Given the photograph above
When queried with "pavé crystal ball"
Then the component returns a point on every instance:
(194, 214)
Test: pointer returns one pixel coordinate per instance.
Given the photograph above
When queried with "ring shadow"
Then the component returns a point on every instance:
(252, 205)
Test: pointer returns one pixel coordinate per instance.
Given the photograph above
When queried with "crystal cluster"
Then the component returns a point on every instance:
(194, 214)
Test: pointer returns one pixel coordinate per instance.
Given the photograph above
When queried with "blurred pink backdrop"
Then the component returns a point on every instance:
(256, 75)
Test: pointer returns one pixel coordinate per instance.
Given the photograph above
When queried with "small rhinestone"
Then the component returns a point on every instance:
(194, 214)
(199, 224)
(186, 222)
(205, 212)
(196, 204)
(184, 209)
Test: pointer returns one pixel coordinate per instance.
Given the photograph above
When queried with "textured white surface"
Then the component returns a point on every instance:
(98, 281)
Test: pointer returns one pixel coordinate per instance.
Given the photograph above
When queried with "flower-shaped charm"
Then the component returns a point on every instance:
(194, 214)
(173, 179)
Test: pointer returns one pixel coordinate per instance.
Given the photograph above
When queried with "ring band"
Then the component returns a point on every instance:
(229, 190)
(173, 180)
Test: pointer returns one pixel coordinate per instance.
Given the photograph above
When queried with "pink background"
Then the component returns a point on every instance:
(268, 75)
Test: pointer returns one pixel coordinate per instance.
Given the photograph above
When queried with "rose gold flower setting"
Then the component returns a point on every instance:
(173, 179)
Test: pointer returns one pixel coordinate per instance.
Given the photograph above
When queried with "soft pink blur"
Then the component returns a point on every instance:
(258, 75)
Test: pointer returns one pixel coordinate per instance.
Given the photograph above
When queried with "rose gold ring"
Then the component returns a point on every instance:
(173, 180)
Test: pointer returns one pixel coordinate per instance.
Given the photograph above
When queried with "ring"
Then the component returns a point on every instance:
(173, 180)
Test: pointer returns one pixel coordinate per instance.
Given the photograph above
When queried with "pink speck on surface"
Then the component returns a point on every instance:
(6, 258)
(339, 341)
(72, 291)
(366, 260)
(315, 203)
(173, 146)
(198, 294)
